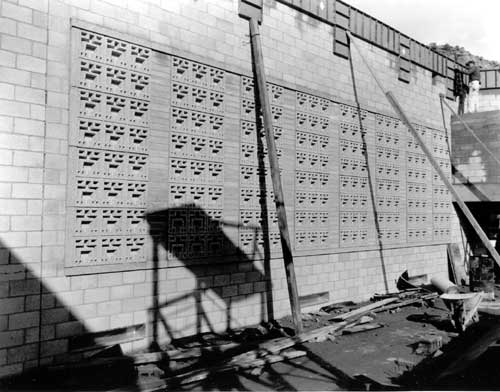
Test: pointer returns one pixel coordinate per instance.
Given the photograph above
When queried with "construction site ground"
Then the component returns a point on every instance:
(389, 357)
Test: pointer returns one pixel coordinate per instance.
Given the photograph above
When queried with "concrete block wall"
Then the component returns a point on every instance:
(41, 305)
(472, 161)
(489, 100)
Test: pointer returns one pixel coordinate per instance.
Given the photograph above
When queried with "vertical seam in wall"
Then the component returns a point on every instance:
(40, 277)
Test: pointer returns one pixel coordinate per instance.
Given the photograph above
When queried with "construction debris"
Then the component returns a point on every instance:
(405, 282)
(363, 310)
(361, 328)
(429, 344)
(464, 308)
(408, 302)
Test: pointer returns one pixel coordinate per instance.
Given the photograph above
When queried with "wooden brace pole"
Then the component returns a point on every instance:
(461, 204)
(275, 173)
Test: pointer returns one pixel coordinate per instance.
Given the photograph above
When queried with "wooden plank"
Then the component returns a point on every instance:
(362, 310)
(314, 299)
(361, 328)
(286, 246)
(405, 303)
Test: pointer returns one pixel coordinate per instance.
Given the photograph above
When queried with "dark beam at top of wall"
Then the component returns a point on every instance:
(375, 32)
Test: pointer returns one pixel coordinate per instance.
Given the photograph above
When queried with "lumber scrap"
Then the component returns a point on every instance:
(361, 328)
(267, 352)
(399, 294)
(406, 302)
(362, 310)
(242, 363)
(276, 345)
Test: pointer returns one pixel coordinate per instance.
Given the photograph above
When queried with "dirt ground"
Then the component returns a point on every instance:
(387, 358)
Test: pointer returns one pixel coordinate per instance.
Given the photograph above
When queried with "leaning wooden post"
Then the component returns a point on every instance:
(275, 173)
(461, 204)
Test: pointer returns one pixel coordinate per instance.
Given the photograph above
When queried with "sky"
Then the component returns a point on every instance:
(471, 24)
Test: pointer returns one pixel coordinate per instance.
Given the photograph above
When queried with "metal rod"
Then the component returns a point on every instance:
(463, 207)
(275, 173)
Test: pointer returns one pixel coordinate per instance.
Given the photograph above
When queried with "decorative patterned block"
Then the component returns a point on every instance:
(111, 135)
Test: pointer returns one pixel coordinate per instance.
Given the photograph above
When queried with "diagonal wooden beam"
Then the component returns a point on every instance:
(260, 75)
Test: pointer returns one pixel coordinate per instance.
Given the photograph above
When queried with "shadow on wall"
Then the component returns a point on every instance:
(370, 179)
(184, 232)
(37, 329)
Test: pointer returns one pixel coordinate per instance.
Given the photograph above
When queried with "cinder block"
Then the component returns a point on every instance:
(34, 207)
(122, 291)
(37, 112)
(68, 329)
(229, 291)
(16, 12)
(54, 347)
(16, 45)
(28, 94)
(110, 279)
(40, 19)
(13, 207)
(133, 304)
(33, 238)
(11, 338)
(108, 308)
(121, 320)
(24, 287)
(28, 127)
(98, 323)
(39, 5)
(13, 108)
(11, 305)
(26, 191)
(27, 158)
(238, 277)
(8, 26)
(55, 316)
(221, 280)
(7, 59)
(57, 192)
(58, 100)
(96, 295)
(31, 32)
(30, 63)
(134, 276)
(14, 239)
(23, 320)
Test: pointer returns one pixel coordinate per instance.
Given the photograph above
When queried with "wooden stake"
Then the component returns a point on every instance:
(461, 204)
(275, 173)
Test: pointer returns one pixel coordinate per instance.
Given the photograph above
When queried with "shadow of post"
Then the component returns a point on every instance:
(370, 179)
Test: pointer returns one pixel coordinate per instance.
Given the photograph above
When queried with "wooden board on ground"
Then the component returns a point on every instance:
(364, 309)
(362, 328)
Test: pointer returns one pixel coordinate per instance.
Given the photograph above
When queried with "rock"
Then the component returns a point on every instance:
(365, 319)
(429, 344)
